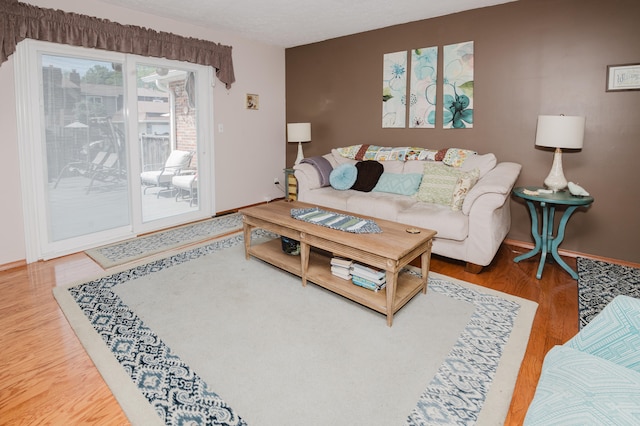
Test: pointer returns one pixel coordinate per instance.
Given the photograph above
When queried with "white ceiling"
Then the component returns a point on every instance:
(290, 23)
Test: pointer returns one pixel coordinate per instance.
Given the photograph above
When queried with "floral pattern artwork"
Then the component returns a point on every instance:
(394, 89)
(422, 95)
(458, 86)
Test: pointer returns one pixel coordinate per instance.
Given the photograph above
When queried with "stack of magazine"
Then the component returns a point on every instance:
(360, 275)
(341, 267)
(368, 277)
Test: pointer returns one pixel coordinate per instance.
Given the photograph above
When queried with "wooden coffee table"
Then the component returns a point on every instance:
(390, 250)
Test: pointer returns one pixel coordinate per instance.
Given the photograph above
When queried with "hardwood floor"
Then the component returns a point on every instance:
(47, 377)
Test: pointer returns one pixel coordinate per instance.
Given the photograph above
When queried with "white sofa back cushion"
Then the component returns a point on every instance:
(484, 163)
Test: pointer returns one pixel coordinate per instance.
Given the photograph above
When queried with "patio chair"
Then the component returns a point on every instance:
(186, 183)
(109, 170)
(177, 161)
(83, 167)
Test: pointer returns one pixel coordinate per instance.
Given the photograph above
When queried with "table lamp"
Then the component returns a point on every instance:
(299, 132)
(559, 131)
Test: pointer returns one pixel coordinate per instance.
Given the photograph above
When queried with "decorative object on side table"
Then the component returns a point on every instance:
(544, 239)
(577, 190)
(299, 132)
(559, 131)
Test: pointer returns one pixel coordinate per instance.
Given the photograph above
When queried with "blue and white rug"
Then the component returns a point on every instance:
(135, 249)
(472, 383)
(599, 282)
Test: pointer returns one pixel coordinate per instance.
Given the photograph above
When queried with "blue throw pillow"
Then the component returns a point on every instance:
(343, 177)
(397, 183)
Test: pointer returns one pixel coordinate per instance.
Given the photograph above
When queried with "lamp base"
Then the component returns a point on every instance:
(556, 181)
(300, 156)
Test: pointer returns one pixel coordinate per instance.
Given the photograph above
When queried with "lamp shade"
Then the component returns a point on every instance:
(560, 131)
(298, 132)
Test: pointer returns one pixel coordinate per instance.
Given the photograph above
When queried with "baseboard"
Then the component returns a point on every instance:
(11, 265)
(574, 254)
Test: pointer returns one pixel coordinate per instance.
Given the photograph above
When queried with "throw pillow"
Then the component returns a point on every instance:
(369, 173)
(343, 177)
(464, 184)
(398, 183)
(440, 154)
(456, 156)
(438, 184)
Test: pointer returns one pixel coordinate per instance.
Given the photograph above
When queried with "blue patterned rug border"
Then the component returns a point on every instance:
(179, 396)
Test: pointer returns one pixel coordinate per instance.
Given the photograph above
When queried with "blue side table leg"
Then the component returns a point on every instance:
(546, 231)
(534, 233)
(558, 239)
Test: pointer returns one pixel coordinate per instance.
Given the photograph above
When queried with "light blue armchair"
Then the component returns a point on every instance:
(594, 378)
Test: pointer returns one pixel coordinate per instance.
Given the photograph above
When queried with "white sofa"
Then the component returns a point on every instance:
(472, 234)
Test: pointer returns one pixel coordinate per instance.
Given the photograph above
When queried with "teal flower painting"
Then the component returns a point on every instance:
(458, 86)
(422, 95)
(394, 89)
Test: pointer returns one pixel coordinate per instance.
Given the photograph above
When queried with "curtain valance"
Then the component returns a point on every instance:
(19, 21)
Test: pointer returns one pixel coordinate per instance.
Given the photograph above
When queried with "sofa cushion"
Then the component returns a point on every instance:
(329, 197)
(398, 183)
(484, 163)
(369, 173)
(451, 225)
(343, 177)
(382, 205)
(416, 166)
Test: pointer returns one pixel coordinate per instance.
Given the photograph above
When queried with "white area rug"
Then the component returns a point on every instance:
(138, 248)
(209, 337)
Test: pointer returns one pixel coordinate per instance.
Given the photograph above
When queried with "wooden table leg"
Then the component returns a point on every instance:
(304, 259)
(246, 228)
(392, 281)
(425, 262)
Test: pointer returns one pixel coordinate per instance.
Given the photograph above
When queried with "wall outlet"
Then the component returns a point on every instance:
(276, 181)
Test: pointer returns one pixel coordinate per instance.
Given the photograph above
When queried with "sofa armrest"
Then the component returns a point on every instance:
(307, 177)
(498, 181)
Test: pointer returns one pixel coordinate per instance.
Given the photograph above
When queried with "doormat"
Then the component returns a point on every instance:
(137, 248)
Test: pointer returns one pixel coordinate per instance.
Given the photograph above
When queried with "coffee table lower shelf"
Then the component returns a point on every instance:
(319, 273)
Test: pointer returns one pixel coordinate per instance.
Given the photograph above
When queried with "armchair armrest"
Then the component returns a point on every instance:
(613, 334)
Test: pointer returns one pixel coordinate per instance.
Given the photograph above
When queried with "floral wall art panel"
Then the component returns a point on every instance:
(458, 86)
(422, 95)
(394, 89)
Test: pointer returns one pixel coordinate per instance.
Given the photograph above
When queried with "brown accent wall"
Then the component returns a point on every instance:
(532, 57)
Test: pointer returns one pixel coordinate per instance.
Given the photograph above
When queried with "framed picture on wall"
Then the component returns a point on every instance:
(623, 77)
(253, 101)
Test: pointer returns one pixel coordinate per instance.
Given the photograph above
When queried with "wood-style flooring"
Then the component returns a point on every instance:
(46, 377)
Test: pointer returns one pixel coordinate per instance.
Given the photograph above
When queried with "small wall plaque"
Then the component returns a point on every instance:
(253, 101)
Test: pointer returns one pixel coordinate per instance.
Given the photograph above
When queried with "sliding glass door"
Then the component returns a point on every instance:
(85, 152)
(110, 145)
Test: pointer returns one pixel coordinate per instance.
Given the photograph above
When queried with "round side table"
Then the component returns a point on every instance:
(545, 240)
